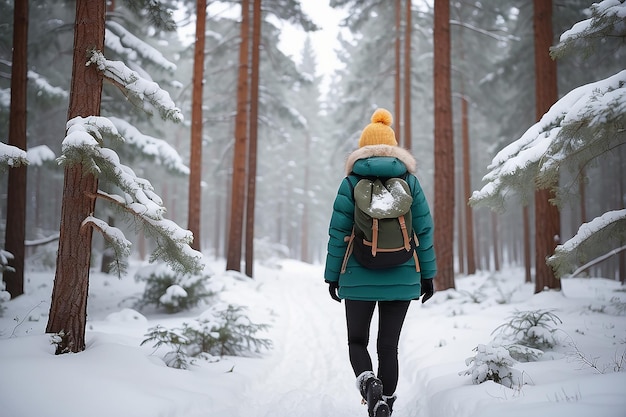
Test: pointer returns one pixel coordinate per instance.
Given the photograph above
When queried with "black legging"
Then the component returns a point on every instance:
(391, 316)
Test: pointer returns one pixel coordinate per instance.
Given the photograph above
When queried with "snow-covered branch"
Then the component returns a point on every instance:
(590, 242)
(608, 18)
(5, 256)
(136, 88)
(115, 238)
(155, 148)
(11, 156)
(577, 128)
(127, 45)
(37, 155)
(172, 240)
(44, 86)
(83, 144)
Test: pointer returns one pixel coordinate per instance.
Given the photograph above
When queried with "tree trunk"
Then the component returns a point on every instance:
(305, 254)
(68, 310)
(235, 233)
(527, 254)
(460, 233)
(495, 241)
(195, 158)
(252, 151)
(396, 77)
(407, 79)
(444, 149)
(16, 193)
(547, 216)
(467, 184)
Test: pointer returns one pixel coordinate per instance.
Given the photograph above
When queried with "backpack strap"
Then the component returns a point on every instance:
(350, 240)
(405, 234)
(374, 235)
(417, 261)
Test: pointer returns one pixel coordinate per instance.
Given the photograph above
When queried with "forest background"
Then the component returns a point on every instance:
(305, 133)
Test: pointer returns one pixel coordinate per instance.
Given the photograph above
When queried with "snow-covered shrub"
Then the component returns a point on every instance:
(4, 296)
(493, 362)
(495, 289)
(170, 290)
(175, 358)
(5, 256)
(523, 353)
(615, 307)
(222, 330)
(534, 329)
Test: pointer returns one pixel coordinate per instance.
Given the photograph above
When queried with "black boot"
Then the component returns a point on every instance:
(371, 389)
(390, 399)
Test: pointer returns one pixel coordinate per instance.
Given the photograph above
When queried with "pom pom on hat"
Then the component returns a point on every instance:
(379, 132)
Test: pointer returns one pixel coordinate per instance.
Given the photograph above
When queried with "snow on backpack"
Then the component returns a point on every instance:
(382, 235)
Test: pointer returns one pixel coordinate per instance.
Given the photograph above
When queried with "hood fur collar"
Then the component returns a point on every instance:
(382, 150)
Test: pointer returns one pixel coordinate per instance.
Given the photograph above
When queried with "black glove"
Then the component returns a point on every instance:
(427, 289)
(333, 287)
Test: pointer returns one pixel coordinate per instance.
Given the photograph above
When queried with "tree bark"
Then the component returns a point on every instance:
(252, 150)
(495, 241)
(68, 310)
(547, 216)
(397, 94)
(407, 79)
(235, 233)
(444, 149)
(527, 254)
(195, 159)
(16, 193)
(467, 184)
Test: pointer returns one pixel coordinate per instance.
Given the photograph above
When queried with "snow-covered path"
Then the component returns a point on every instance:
(307, 374)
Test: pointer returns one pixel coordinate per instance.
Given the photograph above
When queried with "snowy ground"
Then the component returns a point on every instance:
(307, 373)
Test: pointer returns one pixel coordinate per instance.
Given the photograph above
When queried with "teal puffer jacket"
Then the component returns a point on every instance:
(397, 283)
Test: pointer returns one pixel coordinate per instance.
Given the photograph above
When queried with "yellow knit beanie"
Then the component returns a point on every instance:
(379, 131)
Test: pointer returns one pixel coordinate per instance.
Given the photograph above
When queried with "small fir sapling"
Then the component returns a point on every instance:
(493, 362)
(4, 297)
(518, 340)
(223, 330)
(534, 329)
(170, 290)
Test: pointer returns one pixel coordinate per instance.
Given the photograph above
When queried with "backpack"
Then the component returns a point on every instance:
(382, 235)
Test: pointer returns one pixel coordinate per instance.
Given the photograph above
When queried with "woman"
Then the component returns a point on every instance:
(391, 289)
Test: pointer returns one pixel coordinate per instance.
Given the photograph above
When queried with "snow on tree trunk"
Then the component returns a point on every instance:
(444, 149)
(16, 193)
(68, 310)
(547, 216)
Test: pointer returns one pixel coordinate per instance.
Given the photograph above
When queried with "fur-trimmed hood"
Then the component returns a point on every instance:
(382, 150)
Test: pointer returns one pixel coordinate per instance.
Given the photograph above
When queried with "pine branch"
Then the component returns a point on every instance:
(590, 244)
(135, 87)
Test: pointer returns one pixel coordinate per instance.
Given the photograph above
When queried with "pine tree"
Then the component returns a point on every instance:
(68, 311)
(444, 149)
(547, 215)
(86, 161)
(16, 196)
(581, 127)
(195, 190)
